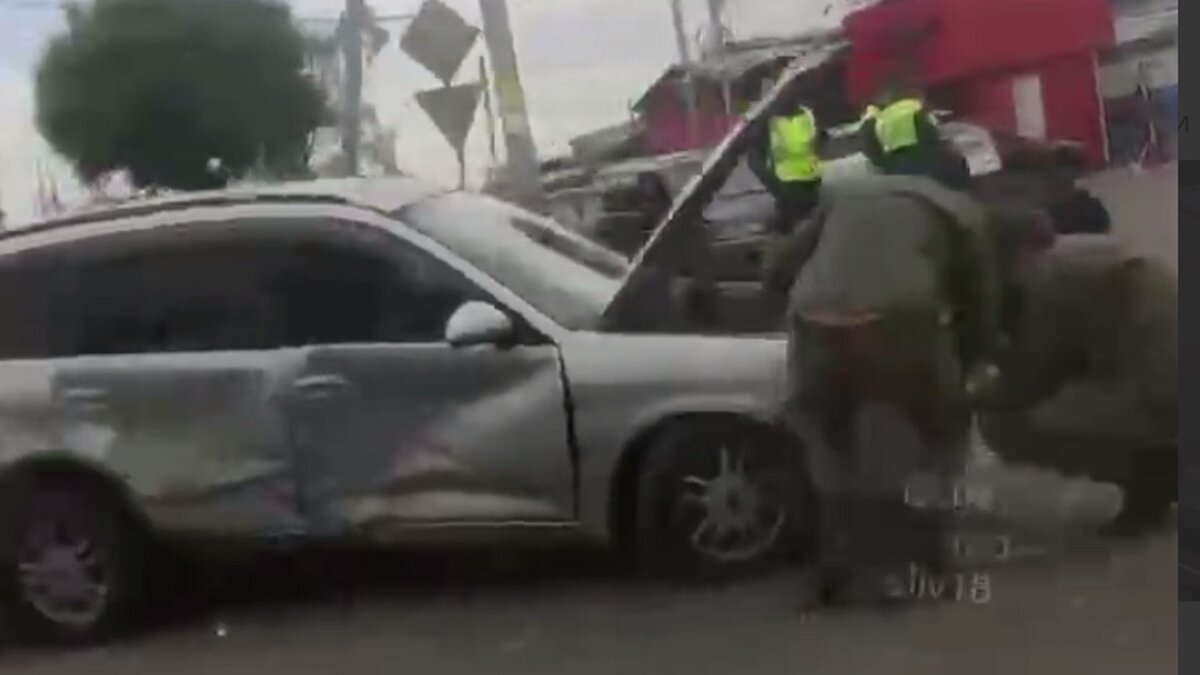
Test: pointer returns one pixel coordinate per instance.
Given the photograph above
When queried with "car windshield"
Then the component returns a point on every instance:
(563, 275)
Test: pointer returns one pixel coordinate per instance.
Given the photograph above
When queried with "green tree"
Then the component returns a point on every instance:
(161, 87)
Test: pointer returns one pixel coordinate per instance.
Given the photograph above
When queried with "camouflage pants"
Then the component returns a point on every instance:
(905, 365)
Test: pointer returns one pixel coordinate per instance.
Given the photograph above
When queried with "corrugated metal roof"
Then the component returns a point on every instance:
(741, 58)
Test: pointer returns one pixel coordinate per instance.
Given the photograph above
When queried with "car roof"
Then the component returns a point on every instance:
(382, 194)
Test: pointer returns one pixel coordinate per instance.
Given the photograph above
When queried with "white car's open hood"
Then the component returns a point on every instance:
(674, 238)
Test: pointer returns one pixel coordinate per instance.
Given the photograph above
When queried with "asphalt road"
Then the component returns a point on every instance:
(1104, 611)
(1144, 208)
(1082, 605)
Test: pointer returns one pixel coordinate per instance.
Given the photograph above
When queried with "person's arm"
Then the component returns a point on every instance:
(822, 141)
(758, 161)
(787, 254)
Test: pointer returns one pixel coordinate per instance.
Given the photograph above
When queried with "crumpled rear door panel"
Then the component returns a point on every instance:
(199, 439)
(412, 435)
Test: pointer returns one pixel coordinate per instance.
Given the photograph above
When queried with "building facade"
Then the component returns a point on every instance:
(1139, 82)
(1024, 68)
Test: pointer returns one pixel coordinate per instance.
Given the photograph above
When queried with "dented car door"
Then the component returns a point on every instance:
(164, 375)
(198, 437)
(395, 428)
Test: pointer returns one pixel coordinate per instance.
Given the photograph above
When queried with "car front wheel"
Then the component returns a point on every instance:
(717, 498)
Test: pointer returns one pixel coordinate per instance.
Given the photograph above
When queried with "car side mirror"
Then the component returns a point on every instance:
(478, 323)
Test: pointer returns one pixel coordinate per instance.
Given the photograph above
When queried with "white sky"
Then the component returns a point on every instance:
(582, 62)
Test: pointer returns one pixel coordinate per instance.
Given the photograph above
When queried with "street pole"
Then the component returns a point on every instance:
(685, 58)
(353, 22)
(485, 81)
(522, 171)
(716, 28)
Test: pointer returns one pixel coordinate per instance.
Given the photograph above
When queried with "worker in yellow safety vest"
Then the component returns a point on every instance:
(785, 157)
(901, 136)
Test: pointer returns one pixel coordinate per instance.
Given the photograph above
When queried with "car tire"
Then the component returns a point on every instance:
(74, 563)
(717, 499)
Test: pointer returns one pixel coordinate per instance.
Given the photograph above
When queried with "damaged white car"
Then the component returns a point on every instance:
(358, 360)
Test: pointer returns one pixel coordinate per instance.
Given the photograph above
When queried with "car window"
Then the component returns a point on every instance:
(216, 296)
(337, 294)
(563, 241)
(557, 274)
(150, 298)
(110, 315)
(225, 295)
(29, 319)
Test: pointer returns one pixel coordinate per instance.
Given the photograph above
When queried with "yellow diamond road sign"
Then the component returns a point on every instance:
(439, 39)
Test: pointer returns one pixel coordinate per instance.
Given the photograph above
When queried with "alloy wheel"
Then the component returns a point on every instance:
(736, 515)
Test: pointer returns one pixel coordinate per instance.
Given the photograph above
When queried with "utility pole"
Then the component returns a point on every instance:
(716, 29)
(353, 24)
(522, 170)
(485, 82)
(685, 58)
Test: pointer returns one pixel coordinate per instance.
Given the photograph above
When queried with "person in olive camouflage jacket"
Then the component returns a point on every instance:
(1089, 383)
(892, 295)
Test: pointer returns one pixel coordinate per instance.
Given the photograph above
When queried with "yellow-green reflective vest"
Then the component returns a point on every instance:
(793, 147)
(896, 125)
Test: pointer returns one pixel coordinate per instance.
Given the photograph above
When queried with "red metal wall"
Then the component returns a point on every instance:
(969, 51)
(986, 100)
(1071, 105)
(952, 39)
(666, 121)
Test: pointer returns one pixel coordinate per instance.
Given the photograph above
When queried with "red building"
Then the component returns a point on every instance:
(1027, 67)
(663, 112)
(723, 90)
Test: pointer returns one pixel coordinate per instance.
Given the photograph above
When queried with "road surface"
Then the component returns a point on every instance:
(1145, 208)
(1105, 612)
(1087, 605)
